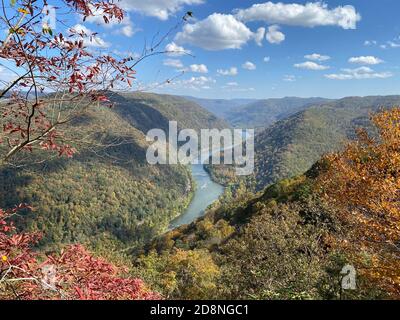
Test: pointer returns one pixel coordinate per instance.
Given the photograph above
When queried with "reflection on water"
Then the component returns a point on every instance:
(206, 193)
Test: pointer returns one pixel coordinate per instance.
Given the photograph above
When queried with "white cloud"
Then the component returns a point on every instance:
(161, 9)
(289, 78)
(317, 57)
(259, 36)
(267, 59)
(124, 27)
(174, 50)
(197, 83)
(369, 60)
(238, 89)
(392, 44)
(192, 83)
(217, 32)
(199, 68)
(274, 36)
(249, 65)
(127, 31)
(308, 65)
(311, 14)
(174, 63)
(228, 72)
(368, 43)
(359, 74)
(89, 38)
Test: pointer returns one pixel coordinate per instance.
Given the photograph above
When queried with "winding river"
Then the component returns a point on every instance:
(207, 192)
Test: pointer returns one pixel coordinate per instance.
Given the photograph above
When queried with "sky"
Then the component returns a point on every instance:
(256, 49)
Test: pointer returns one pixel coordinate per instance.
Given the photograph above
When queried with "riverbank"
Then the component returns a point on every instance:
(206, 193)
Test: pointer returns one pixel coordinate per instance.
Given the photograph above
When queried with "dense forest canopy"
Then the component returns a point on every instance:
(84, 216)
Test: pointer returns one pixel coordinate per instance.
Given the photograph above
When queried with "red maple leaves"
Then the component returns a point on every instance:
(62, 67)
(73, 274)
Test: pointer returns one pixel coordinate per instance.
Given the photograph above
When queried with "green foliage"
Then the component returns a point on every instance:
(180, 274)
(292, 145)
(107, 196)
(272, 245)
(263, 113)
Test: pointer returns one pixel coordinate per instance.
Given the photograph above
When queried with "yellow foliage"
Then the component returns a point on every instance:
(363, 181)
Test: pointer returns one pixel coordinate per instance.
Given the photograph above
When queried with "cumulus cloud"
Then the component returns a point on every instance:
(275, 36)
(196, 83)
(366, 60)
(359, 74)
(311, 14)
(217, 32)
(161, 9)
(317, 57)
(199, 68)
(233, 71)
(174, 50)
(248, 65)
(174, 63)
(127, 31)
(267, 59)
(309, 65)
(90, 39)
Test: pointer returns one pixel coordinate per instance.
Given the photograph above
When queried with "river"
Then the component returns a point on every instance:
(207, 192)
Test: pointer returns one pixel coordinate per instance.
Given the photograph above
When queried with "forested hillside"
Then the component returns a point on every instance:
(263, 113)
(291, 240)
(292, 145)
(146, 111)
(107, 194)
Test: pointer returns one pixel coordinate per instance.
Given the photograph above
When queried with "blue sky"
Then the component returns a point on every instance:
(333, 48)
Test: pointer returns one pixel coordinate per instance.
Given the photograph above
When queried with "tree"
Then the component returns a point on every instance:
(57, 76)
(363, 181)
(60, 65)
(181, 274)
(72, 274)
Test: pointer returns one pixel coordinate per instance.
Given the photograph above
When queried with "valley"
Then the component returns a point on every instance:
(199, 213)
(189, 150)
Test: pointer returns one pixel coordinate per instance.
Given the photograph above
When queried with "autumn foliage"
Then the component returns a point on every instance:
(58, 65)
(363, 181)
(74, 274)
(57, 78)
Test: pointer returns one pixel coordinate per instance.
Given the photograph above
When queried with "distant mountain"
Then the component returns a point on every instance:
(263, 113)
(108, 196)
(146, 111)
(291, 146)
(221, 107)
